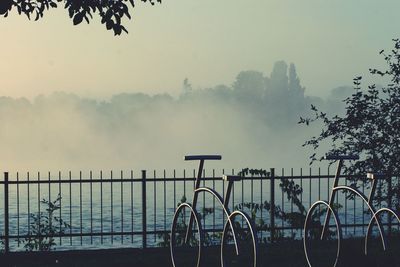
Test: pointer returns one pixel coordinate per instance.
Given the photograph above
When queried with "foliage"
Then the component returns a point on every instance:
(44, 226)
(294, 218)
(369, 128)
(110, 11)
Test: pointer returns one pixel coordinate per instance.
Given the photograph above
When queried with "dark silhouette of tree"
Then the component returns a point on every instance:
(111, 11)
(249, 86)
(370, 126)
(284, 98)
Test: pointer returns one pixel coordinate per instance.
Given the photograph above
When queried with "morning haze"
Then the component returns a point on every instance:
(80, 98)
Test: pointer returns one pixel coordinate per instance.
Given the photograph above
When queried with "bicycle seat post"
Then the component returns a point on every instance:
(340, 159)
(374, 177)
(230, 179)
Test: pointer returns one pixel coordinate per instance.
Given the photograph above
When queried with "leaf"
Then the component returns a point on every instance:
(78, 18)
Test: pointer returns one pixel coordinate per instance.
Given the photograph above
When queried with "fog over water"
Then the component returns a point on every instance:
(251, 123)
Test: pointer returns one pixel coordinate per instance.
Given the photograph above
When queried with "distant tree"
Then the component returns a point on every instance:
(279, 81)
(110, 11)
(186, 87)
(370, 127)
(284, 98)
(249, 86)
(294, 85)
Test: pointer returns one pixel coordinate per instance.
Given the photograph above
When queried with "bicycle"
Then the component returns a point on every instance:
(308, 234)
(242, 233)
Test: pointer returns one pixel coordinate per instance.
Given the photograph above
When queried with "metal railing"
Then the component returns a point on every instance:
(114, 210)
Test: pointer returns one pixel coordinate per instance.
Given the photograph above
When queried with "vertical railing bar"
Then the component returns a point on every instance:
(319, 182)
(213, 199)
(101, 206)
(204, 198)
(144, 210)
(165, 202)
(252, 189)
(6, 215)
(122, 207)
(328, 187)
(291, 201)
(363, 207)
(310, 186)
(112, 207)
(283, 201)
(155, 205)
(80, 205)
(60, 194)
(174, 189)
(70, 208)
(39, 217)
(261, 203)
(223, 191)
(272, 201)
(233, 192)
(49, 178)
(29, 205)
(301, 194)
(18, 209)
(184, 183)
(91, 206)
(354, 215)
(345, 207)
(132, 215)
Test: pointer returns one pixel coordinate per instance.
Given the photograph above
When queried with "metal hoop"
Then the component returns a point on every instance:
(376, 218)
(338, 229)
(199, 229)
(221, 202)
(253, 235)
(372, 210)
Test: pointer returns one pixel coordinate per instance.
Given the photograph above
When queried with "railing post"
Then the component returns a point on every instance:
(272, 202)
(144, 210)
(6, 216)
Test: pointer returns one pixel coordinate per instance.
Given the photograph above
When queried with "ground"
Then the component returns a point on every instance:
(282, 255)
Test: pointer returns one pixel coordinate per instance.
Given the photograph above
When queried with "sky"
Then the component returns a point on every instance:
(209, 42)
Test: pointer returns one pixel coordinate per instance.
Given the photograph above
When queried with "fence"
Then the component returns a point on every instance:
(125, 210)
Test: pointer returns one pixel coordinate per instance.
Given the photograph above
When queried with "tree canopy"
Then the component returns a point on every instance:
(111, 11)
(370, 126)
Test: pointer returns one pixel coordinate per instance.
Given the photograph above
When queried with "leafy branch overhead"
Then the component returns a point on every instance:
(111, 12)
(370, 126)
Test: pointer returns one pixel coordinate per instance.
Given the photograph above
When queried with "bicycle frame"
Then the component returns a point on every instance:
(367, 200)
(197, 185)
(197, 189)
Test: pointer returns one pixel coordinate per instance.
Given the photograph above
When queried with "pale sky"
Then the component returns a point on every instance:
(208, 41)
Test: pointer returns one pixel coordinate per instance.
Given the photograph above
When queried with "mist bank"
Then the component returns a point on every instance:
(251, 123)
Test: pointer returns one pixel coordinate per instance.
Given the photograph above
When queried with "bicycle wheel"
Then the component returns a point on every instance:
(185, 243)
(239, 241)
(319, 247)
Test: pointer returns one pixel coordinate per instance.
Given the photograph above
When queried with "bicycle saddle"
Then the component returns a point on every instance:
(232, 178)
(203, 157)
(373, 176)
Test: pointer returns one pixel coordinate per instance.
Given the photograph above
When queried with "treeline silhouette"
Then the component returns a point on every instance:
(253, 118)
